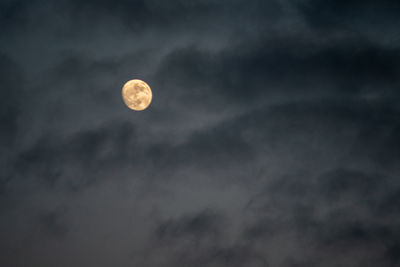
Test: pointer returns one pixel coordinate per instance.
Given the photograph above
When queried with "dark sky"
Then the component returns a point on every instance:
(273, 138)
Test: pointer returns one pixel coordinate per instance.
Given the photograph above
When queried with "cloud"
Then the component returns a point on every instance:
(52, 223)
(272, 139)
(198, 240)
(10, 75)
(333, 213)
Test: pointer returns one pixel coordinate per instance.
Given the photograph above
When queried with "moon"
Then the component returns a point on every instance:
(137, 94)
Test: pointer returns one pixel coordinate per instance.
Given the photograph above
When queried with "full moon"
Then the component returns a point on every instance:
(136, 94)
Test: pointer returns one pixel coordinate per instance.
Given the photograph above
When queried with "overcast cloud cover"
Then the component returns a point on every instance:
(273, 138)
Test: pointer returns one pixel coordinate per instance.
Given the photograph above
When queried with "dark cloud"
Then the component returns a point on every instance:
(341, 14)
(52, 223)
(272, 139)
(337, 211)
(11, 97)
(14, 14)
(200, 240)
(259, 70)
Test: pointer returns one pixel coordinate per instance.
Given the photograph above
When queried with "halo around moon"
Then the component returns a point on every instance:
(137, 94)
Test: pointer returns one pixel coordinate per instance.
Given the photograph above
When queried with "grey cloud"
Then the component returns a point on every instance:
(259, 70)
(332, 217)
(341, 13)
(11, 98)
(52, 223)
(272, 139)
(200, 240)
(52, 159)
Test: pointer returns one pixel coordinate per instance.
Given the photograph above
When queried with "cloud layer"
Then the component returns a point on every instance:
(272, 139)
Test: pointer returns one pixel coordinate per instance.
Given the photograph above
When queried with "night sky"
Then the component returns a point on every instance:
(273, 137)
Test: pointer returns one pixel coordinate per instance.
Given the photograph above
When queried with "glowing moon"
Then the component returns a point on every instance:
(137, 95)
